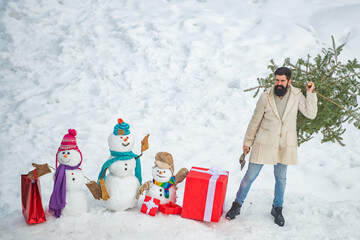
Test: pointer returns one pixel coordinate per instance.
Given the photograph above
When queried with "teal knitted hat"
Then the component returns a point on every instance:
(122, 128)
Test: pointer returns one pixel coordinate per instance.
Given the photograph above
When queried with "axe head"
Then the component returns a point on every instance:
(242, 161)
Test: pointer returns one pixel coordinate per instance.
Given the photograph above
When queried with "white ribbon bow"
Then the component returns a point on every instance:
(150, 204)
(215, 171)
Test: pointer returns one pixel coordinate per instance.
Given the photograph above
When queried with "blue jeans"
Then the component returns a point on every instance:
(251, 174)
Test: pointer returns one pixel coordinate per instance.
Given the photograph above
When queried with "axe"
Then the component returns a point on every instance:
(242, 160)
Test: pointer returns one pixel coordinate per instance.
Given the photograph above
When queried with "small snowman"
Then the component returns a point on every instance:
(163, 185)
(119, 186)
(68, 197)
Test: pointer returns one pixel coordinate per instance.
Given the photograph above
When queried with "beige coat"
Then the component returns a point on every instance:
(274, 140)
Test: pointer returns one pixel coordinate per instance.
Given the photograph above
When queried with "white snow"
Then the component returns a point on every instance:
(176, 70)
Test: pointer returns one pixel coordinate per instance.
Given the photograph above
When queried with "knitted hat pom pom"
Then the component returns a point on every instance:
(72, 132)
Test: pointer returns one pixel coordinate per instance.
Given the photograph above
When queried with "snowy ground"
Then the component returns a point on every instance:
(176, 70)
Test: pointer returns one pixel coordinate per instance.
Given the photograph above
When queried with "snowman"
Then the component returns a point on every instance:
(67, 197)
(163, 185)
(119, 186)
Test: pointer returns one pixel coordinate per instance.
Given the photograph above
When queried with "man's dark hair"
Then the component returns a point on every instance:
(283, 71)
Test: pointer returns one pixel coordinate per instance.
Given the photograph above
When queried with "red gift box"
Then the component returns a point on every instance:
(170, 208)
(32, 207)
(204, 195)
(150, 206)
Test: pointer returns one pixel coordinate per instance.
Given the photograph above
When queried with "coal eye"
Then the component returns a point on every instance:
(164, 171)
(157, 170)
(63, 152)
(68, 153)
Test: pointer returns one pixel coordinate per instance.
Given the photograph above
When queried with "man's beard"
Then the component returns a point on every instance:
(280, 90)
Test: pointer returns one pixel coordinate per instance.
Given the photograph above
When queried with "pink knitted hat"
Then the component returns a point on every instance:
(69, 143)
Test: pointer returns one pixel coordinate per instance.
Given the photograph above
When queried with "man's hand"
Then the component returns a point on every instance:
(246, 149)
(310, 86)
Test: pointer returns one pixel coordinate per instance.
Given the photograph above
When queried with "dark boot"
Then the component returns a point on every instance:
(278, 217)
(234, 210)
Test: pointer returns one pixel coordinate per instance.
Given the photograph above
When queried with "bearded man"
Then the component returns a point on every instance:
(272, 135)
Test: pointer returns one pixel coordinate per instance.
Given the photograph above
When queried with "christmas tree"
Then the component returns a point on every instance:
(337, 87)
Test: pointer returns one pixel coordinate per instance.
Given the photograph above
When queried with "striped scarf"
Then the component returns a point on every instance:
(165, 185)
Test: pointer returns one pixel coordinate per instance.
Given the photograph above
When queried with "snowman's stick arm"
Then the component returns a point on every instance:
(98, 189)
(41, 169)
(87, 178)
(145, 143)
(142, 188)
(84, 175)
(181, 175)
(45, 168)
(95, 189)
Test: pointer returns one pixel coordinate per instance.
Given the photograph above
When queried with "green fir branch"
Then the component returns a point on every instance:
(337, 86)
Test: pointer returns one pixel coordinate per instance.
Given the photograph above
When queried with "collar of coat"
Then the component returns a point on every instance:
(293, 91)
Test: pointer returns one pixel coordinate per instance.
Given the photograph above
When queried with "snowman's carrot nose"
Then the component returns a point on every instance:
(65, 156)
(160, 172)
(127, 138)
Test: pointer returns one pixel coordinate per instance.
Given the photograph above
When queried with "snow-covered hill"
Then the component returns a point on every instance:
(177, 70)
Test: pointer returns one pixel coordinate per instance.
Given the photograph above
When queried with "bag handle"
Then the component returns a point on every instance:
(35, 174)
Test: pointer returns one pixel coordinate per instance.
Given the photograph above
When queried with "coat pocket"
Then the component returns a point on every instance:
(262, 136)
(291, 139)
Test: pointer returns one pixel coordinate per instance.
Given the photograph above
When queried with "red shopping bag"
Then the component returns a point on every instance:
(32, 208)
